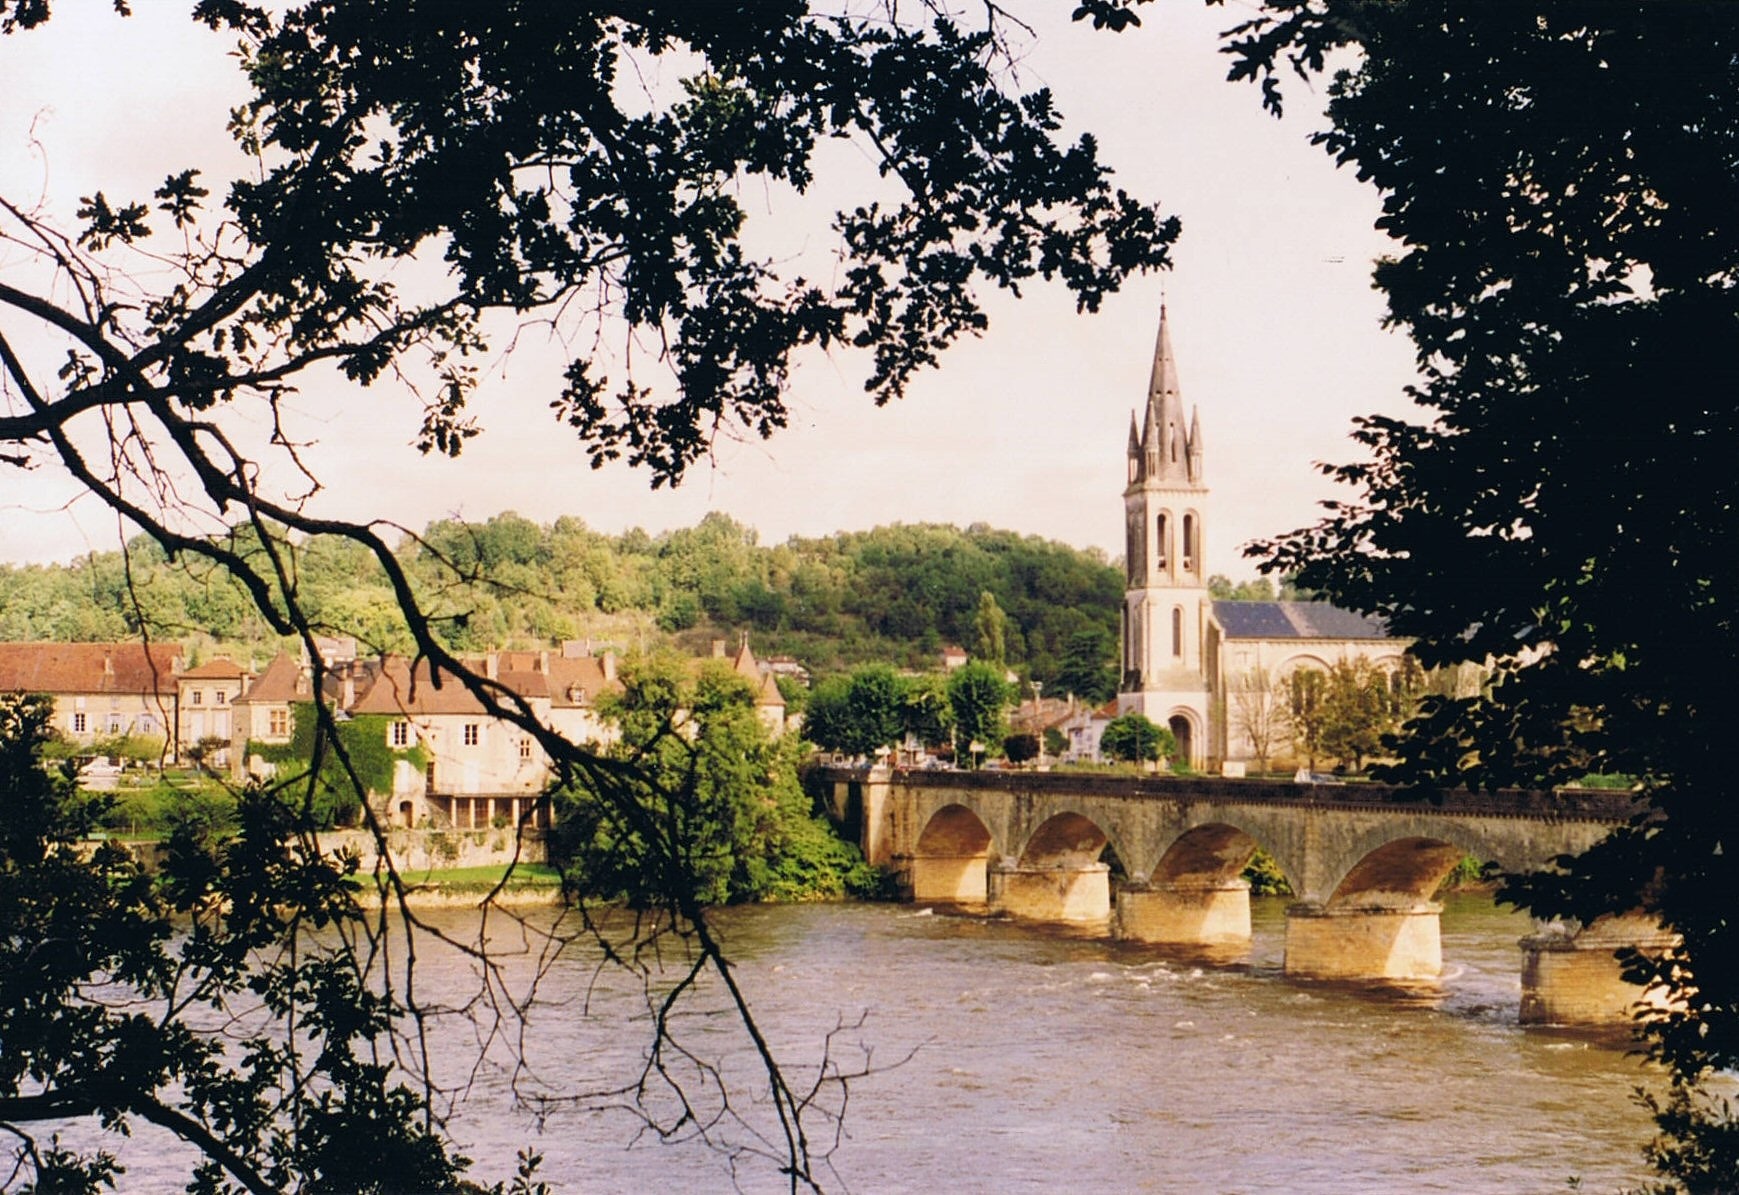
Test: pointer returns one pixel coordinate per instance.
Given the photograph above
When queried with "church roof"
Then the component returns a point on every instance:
(1295, 620)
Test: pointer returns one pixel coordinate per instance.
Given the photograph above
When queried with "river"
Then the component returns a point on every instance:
(1012, 1058)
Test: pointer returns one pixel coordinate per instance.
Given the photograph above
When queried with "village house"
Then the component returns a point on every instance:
(206, 695)
(477, 770)
(100, 690)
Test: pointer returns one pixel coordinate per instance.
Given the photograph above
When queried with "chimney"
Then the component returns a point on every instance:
(492, 665)
(609, 661)
(543, 662)
(108, 664)
(718, 649)
(347, 691)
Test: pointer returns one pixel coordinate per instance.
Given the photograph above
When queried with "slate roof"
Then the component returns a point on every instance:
(1295, 620)
(80, 668)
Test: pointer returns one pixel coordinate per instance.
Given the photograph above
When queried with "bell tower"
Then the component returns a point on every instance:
(1166, 608)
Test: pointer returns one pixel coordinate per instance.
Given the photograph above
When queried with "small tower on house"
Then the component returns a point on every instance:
(1166, 608)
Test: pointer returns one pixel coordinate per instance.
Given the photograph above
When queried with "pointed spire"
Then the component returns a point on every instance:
(1163, 439)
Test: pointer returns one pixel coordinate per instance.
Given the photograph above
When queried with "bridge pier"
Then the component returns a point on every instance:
(1185, 914)
(1073, 894)
(1573, 977)
(945, 879)
(1350, 942)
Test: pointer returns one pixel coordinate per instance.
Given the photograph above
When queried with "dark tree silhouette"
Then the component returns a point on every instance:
(1559, 182)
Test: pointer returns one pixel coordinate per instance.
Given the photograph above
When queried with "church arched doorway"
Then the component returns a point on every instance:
(1184, 733)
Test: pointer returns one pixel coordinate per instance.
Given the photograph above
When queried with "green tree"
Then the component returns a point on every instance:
(1089, 666)
(1136, 738)
(1222, 589)
(978, 695)
(1306, 713)
(826, 720)
(1358, 708)
(925, 712)
(990, 631)
(711, 780)
(875, 704)
(1020, 748)
(1565, 263)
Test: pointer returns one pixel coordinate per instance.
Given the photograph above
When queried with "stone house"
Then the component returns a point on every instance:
(100, 690)
(206, 695)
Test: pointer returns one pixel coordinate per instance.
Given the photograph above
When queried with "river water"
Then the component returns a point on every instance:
(1012, 1058)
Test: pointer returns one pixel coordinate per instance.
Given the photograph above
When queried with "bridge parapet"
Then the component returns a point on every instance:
(1574, 804)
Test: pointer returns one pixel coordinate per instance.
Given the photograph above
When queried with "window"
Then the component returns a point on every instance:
(198, 697)
(1189, 543)
(114, 724)
(1177, 630)
(399, 735)
(524, 750)
(221, 697)
(78, 723)
(1163, 552)
(278, 723)
(147, 724)
(473, 734)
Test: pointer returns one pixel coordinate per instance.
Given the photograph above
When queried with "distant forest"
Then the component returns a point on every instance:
(896, 594)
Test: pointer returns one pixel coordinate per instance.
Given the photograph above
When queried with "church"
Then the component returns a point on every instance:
(1212, 671)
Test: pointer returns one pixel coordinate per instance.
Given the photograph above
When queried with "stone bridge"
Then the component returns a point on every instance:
(1160, 860)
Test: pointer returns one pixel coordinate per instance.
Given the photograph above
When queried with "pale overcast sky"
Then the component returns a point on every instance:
(1274, 322)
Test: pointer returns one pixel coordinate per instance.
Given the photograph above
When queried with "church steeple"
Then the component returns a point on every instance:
(1166, 606)
(1167, 451)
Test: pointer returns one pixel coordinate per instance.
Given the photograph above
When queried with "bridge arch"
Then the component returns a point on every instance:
(1402, 873)
(1066, 839)
(1211, 854)
(951, 860)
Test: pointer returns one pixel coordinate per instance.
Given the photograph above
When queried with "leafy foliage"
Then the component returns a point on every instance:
(111, 982)
(1020, 748)
(1567, 267)
(978, 696)
(367, 759)
(711, 780)
(1136, 738)
(894, 593)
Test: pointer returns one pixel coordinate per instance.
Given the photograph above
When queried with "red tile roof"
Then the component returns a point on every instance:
(89, 668)
(282, 681)
(217, 668)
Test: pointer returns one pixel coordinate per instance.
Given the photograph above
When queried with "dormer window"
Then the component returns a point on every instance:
(576, 695)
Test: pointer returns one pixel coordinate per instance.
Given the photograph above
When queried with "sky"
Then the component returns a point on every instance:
(1276, 329)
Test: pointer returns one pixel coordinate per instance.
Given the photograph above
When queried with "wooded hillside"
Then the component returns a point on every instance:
(897, 593)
